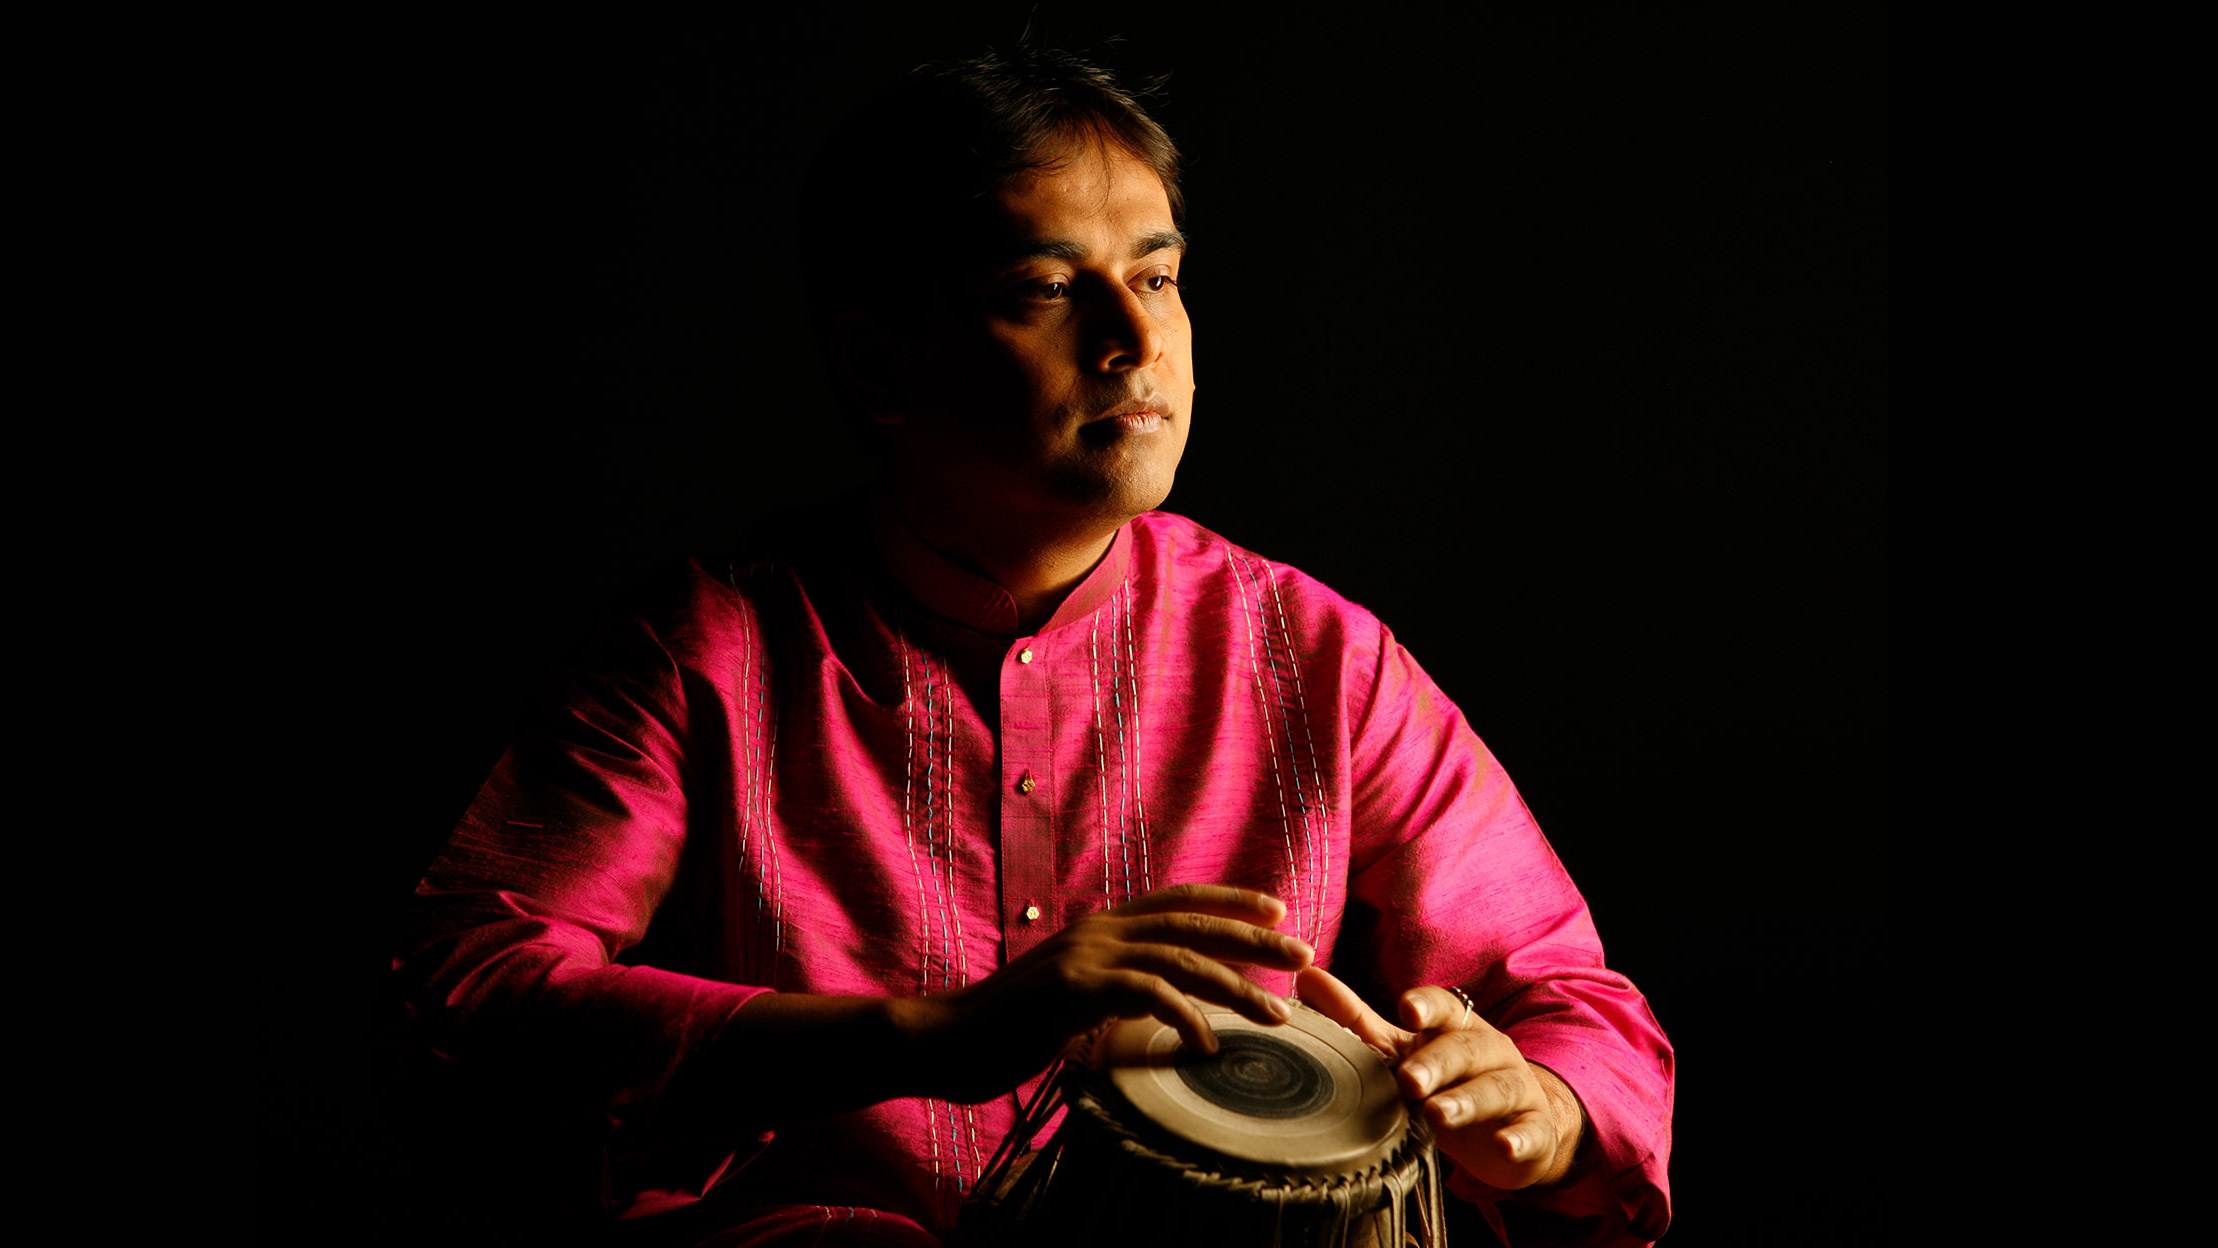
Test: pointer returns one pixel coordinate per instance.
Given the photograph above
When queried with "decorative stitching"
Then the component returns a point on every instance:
(960, 970)
(1124, 766)
(908, 820)
(1139, 799)
(1263, 707)
(1316, 773)
(970, 1118)
(933, 801)
(1274, 649)
(753, 805)
(908, 831)
(767, 723)
(1101, 755)
(747, 772)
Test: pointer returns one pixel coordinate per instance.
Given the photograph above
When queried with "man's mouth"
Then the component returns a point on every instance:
(1143, 415)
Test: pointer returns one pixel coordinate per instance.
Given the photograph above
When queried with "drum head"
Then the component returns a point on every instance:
(1306, 1097)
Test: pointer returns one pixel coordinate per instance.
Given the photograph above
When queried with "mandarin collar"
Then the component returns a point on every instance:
(961, 595)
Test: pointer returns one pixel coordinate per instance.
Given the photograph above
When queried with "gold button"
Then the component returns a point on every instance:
(1031, 914)
(1024, 655)
(1025, 785)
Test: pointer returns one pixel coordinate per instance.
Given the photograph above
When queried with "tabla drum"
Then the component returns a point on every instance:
(1293, 1136)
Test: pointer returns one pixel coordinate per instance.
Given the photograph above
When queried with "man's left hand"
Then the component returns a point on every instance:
(1502, 1119)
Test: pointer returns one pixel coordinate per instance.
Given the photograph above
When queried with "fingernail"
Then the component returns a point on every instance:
(1516, 1144)
(1281, 1009)
(1422, 1075)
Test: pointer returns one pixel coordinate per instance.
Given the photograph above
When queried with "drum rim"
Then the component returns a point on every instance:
(1093, 1091)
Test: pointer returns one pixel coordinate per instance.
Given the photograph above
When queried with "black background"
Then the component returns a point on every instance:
(1559, 343)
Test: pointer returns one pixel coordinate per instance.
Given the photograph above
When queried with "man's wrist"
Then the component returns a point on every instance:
(869, 1049)
(916, 1029)
(1570, 1119)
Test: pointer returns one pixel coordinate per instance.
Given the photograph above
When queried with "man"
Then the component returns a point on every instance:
(818, 862)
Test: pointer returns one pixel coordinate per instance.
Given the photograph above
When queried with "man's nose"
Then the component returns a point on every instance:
(1126, 333)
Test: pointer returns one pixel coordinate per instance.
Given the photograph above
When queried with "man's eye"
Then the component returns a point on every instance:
(1159, 283)
(1048, 292)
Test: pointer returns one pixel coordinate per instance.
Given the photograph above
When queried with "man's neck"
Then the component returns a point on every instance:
(1039, 565)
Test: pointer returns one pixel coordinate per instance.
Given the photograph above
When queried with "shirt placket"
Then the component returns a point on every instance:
(1029, 910)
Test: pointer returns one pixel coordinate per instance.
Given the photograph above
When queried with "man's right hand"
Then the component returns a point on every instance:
(1155, 955)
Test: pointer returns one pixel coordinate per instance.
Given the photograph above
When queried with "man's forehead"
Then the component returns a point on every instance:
(1100, 204)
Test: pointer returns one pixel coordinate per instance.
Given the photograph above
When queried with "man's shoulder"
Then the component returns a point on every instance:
(710, 599)
(769, 559)
(1209, 570)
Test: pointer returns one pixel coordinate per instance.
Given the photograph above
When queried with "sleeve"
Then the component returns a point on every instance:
(510, 947)
(1444, 844)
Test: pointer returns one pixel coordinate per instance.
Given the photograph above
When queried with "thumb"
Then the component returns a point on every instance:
(1526, 1144)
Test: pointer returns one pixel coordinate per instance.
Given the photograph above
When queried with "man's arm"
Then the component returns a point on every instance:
(1453, 886)
(558, 866)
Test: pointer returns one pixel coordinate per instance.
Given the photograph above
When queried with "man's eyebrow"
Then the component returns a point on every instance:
(1044, 249)
(1161, 240)
(1066, 249)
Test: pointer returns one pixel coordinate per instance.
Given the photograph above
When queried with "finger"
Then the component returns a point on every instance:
(1218, 899)
(1225, 939)
(1209, 980)
(1446, 1059)
(1465, 1088)
(1429, 1008)
(1328, 996)
(1153, 996)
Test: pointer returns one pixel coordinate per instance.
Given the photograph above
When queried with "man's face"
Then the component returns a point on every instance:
(1058, 384)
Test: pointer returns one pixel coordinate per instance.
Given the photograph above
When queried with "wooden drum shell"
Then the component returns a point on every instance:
(1162, 1146)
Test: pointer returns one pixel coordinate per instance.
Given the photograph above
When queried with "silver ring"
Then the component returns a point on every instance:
(1467, 1008)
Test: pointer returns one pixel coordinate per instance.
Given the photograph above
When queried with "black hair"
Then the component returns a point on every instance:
(915, 162)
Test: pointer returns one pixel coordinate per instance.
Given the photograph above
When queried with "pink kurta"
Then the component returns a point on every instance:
(815, 775)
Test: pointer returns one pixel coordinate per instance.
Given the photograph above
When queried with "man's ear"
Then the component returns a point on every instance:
(866, 360)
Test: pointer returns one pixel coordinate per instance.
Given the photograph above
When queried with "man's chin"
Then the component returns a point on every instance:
(1122, 495)
(1135, 475)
